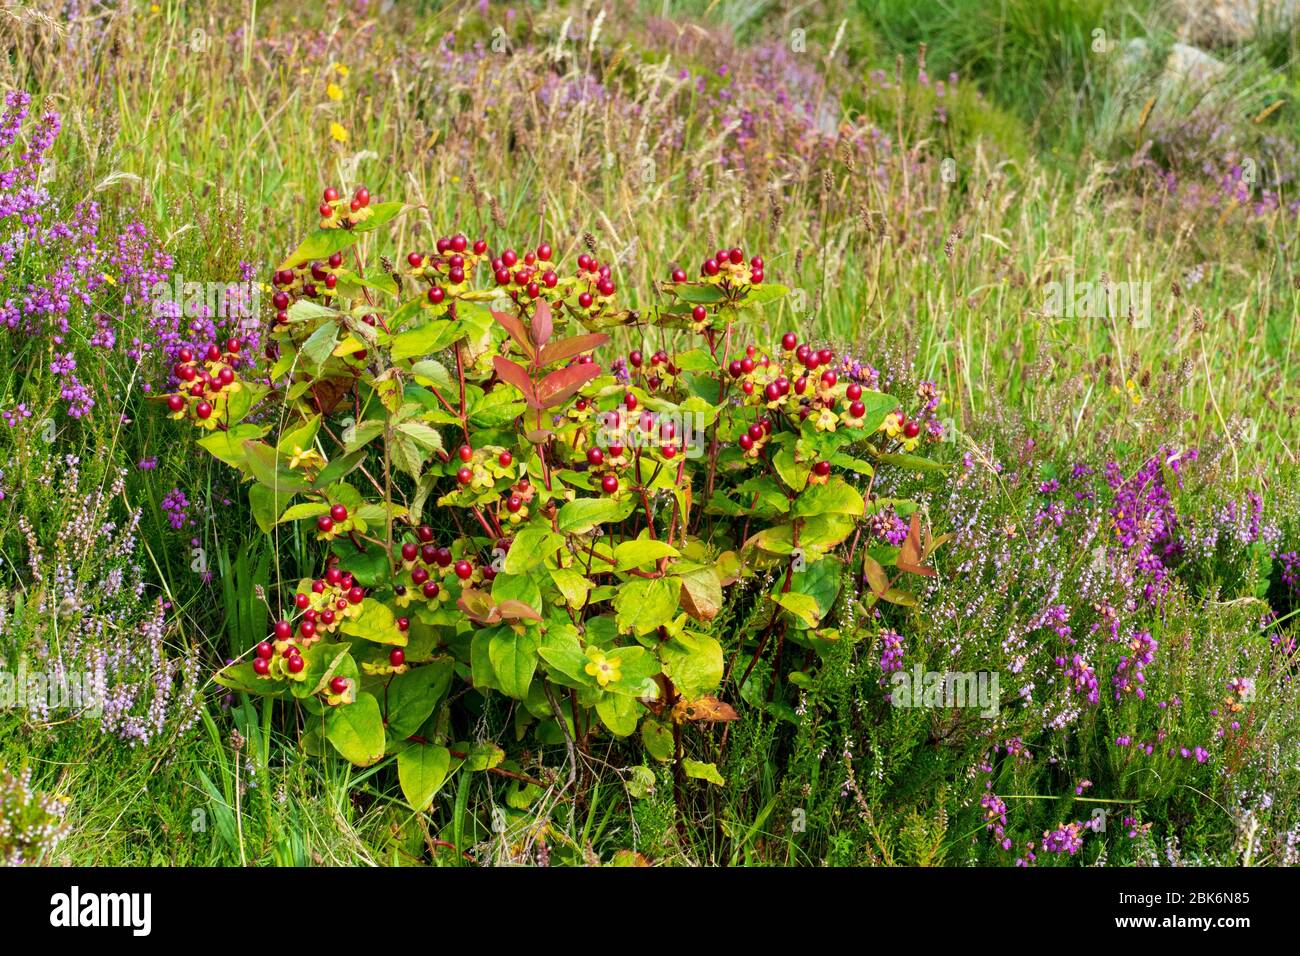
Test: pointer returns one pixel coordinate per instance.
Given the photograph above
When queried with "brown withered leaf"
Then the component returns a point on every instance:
(707, 710)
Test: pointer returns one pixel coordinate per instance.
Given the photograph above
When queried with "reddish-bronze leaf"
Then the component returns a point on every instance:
(478, 606)
(876, 575)
(568, 348)
(541, 328)
(516, 375)
(563, 383)
(512, 610)
(911, 554)
(516, 329)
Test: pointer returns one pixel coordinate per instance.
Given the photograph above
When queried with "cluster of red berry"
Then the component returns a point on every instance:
(336, 212)
(308, 280)
(451, 263)
(421, 559)
(730, 265)
(660, 367)
(336, 522)
(204, 381)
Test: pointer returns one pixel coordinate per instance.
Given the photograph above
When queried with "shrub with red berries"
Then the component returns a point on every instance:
(499, 511)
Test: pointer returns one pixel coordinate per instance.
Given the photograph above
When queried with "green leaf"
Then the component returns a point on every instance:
(530, 549)
(583, 514)
(424, 436)
(657, 739)
(837, 496)
(514, 659)
(381, 213)
(357, 730)
(644, 604)
(319, 244)
(375, 623)
(802, 606)
(911, 462)
(423, 340)
(263, 503)
(694, 662)
(421, 771)
(228, 445)
(701, 294)
(412, 696)
(320, 345)
(703, 771)
(619, 714)
(793, 473)
(308, 509)
(634, 554)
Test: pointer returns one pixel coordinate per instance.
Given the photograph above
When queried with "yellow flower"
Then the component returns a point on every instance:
(826, 420)
(310, 458)
(340, 69)
(334, 92)
(602, 668)
(338, 132)
(108, 278)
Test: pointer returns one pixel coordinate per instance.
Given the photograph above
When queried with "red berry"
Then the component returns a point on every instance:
(301, 600)
(825, 356)
(789, 341)
(419, 575)
(397, 657)
(403, 624)
(595, 457)
(203, 410)
(699, 313)
(362, 195)
(857, 409)
(331, 194)
(544, 251)
(756, 277)
(480, 246)
(605, 287)
(629, 402)
(325, 524)
(710, 267)
(465, 452)
(339, 513)
(514, 503)
(265, 650)
(175, 402)
(736, 256)
(854, 391)
(325, 210)
(505, 459)
(911, 429)
(430, 589)
(338, 685)
(414, 259)
(464, 570)
(296, 664)
(465, 476)
(283, 630)
(746, 442)
(424, 533)
(609, 484)
(585, 299)
(307, 629)
(443, 557)
(261, 667)
(509, 258)
(829, 378)
(459, 243)
(822, 468)
(356, 595)
(436, 295)
(772, 392)
(679, 275)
